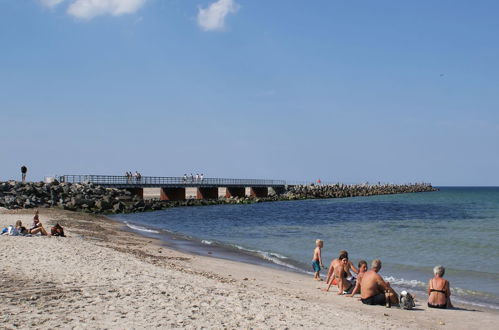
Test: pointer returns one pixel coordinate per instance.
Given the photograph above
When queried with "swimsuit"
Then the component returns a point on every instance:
(443, 306)
(440, 306)
(316, 265)
(378, 299)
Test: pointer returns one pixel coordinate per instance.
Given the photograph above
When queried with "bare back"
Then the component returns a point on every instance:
(438, 291)
(372, 284)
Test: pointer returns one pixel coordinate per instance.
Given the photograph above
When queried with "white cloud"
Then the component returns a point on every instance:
(50, 3)
(88, 9)
(213, 17)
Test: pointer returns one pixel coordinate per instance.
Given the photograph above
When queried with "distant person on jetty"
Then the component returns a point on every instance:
(201, 177)
(37, 226)
(317, 259)
(362, 270)
(439, 290)
(184, 178)
(24, 170)
(375, 291)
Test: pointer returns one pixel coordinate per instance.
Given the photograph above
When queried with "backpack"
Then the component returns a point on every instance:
(406, 301)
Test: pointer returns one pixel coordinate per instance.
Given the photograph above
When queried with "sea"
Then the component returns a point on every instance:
(457, 227)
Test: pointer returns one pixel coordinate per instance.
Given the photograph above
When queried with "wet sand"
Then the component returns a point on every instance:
(102, 276)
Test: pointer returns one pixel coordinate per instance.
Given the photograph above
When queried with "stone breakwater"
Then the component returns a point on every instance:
(92, 198)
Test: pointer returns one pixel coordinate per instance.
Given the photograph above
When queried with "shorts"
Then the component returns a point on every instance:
(316, 265)
(378, 299)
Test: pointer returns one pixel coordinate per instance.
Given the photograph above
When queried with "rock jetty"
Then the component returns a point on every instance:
(93, 198)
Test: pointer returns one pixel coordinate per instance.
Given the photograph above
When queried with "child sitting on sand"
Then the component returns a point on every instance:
(317, 259)
(362, 270)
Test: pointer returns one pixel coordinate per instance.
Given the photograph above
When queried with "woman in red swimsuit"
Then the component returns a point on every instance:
(439, 290)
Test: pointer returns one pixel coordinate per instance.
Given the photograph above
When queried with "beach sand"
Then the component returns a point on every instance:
(102, 276)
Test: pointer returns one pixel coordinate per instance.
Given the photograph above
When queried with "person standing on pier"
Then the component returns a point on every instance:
(201, 177)
(184, 178)
(24, 170)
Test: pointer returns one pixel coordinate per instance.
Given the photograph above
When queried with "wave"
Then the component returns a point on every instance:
(140, 228)
(273, 257)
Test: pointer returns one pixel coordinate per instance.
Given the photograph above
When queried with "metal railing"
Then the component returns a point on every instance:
(111, 180)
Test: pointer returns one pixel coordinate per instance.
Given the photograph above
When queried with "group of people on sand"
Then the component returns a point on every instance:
(373, 289)
(36, 228)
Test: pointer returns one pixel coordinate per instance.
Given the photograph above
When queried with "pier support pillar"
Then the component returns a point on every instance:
(207, 193)
(172, 194)
(137, 192)
(257, 191)
(234, 192)
(152, 193)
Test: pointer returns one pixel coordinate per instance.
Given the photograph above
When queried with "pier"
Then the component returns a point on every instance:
(180, 188)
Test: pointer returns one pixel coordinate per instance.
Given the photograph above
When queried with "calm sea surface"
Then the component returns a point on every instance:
(410, 233)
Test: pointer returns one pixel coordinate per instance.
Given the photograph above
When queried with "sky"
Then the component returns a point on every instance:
(342, 91)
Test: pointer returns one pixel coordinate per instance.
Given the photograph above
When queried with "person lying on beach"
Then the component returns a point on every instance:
(362, 269)
(317, 259)
(337, 263)
(37, 226)
(375, 291)
(57, 230)
(20, 228)
(439, 290)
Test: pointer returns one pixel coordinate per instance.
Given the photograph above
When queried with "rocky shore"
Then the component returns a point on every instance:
(92, 198)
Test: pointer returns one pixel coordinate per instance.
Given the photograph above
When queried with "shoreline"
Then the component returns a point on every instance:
(105, 276)
(197, 246)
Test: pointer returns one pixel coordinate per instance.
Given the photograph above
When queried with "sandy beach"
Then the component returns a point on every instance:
(102, 276)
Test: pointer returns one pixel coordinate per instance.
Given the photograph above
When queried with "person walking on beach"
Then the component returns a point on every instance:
(317, 259)
(24, 170)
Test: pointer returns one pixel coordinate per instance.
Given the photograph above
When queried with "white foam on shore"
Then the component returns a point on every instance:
(140, 228)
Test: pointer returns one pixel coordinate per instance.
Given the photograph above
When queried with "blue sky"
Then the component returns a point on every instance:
(349, 91)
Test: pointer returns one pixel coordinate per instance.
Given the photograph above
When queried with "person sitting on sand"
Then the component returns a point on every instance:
(362, 269)
(21, 230)
(439, 290)
(317, 259)
(57, 230)
(341, 274)
(337, 263)
(37, 226)
(375, 291)
(344, 285)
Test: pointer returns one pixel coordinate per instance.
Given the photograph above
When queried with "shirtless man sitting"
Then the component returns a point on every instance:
(375, 291)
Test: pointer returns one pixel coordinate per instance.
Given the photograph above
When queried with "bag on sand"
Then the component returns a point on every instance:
(406, 300)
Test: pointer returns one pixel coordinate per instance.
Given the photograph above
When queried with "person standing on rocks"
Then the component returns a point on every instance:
(24, 170)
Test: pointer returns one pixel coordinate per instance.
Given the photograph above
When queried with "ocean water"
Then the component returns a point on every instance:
(456, 227)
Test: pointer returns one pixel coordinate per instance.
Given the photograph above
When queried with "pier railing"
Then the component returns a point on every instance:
(110, 180)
